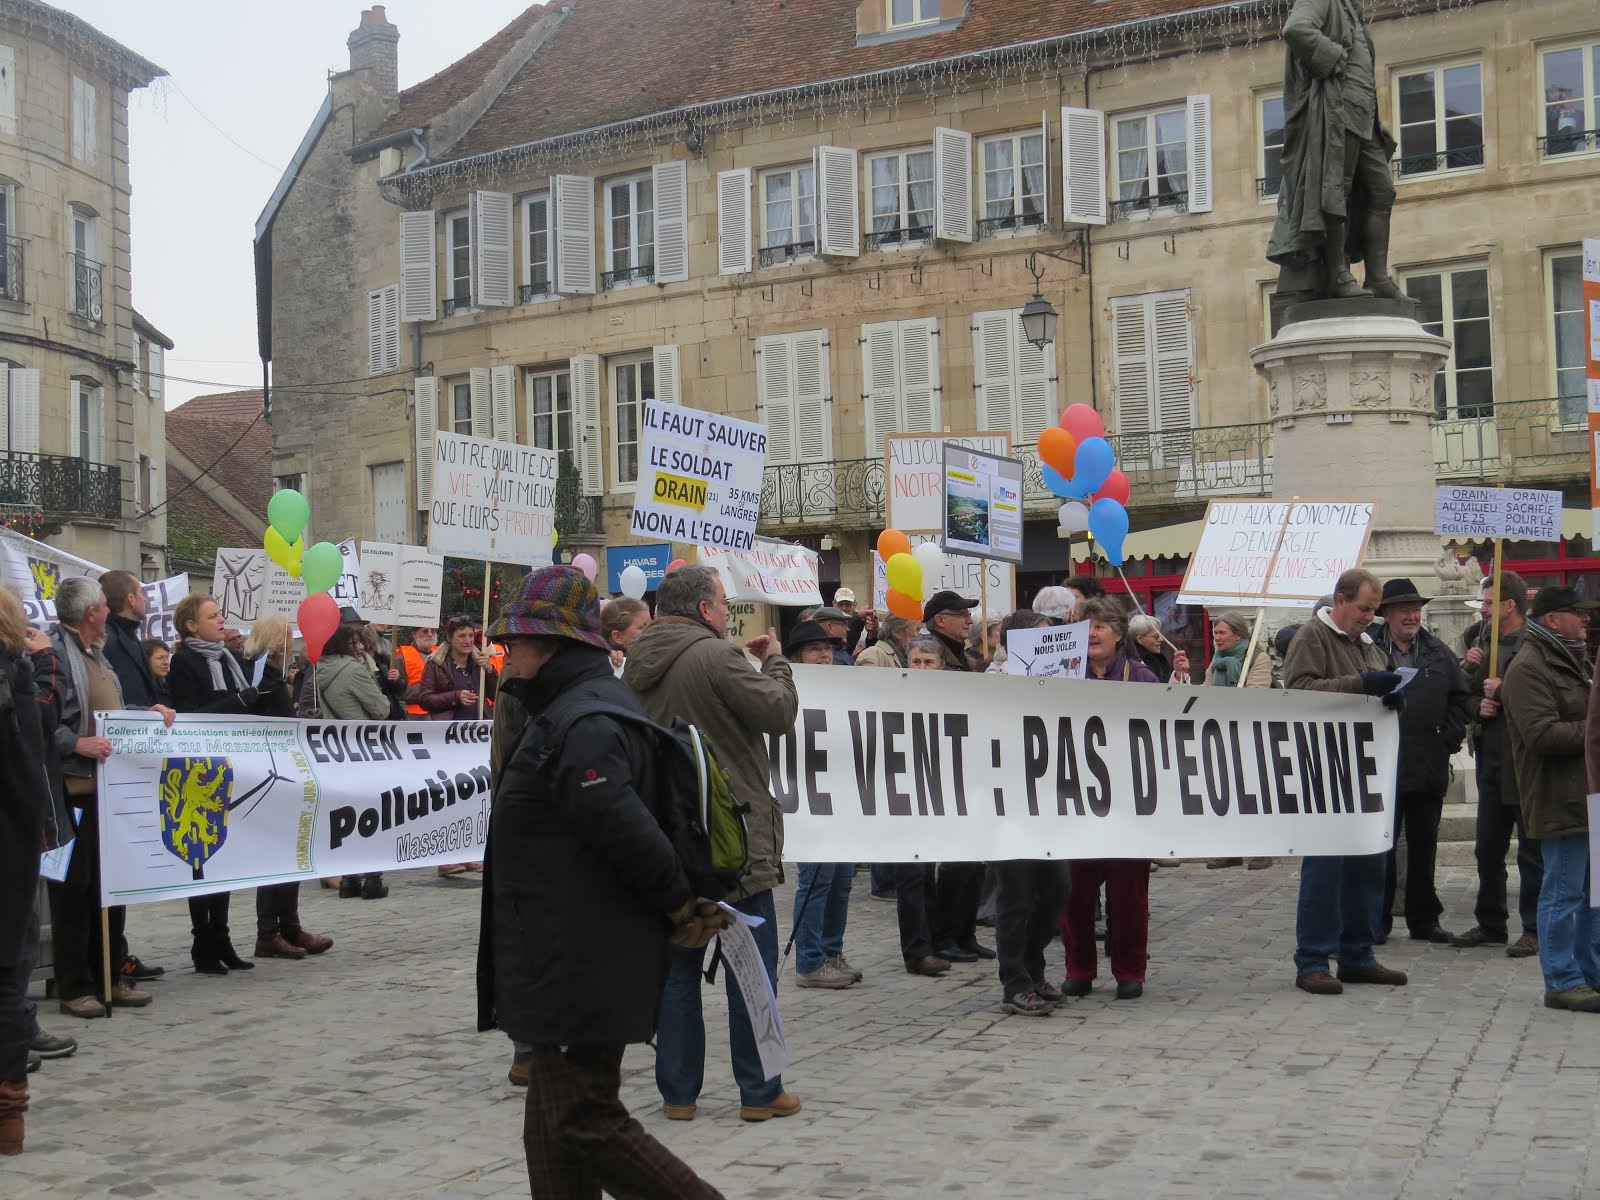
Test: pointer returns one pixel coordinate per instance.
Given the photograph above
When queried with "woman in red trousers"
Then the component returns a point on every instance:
(1127, 881)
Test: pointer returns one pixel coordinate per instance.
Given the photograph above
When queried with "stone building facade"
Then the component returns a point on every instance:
(81, 373)
(609, 202)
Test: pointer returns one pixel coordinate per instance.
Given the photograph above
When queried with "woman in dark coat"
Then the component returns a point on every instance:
(449, 687)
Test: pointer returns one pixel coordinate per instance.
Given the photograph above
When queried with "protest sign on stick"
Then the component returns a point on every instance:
(699, 477)
(1287, 553)
(913, 475)
(1049, 652)
(982, 504)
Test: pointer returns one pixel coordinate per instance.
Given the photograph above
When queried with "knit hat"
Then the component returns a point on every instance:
(556, 601)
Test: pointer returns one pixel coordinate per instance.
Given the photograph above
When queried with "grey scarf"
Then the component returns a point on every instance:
(1577, 650)
(225, 673)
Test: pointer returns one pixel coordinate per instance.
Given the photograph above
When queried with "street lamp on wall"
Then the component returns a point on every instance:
(1039, 316)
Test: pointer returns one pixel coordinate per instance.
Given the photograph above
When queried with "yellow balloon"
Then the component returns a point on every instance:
(905, 574)
(291, 563)
(276, 546)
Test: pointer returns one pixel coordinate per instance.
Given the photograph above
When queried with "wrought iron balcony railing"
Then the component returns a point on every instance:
(900, 235)
(86, 301)
(1572, 141)
(532, 291)
(1166, 202)
(1268, 185)
(990, 227)
(11, 281)
(60, 486)
(644, 271)
(1514, 441)
(1461, 158)
(772, 256)
(457, 304)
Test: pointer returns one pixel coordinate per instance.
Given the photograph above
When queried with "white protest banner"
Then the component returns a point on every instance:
(1484, 512)
(941, 766)
(982, 504)
(249, 586)
(492, 500)
(348, 589)
(1266, 552)
(699, 477)
(1049, 652)
(401, 585)
(772, 571)
(160, 602)
(35, 569)
(961, 575)
(913, 476)
(221, 803)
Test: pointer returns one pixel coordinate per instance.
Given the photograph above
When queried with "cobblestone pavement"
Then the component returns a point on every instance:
(359, 1074)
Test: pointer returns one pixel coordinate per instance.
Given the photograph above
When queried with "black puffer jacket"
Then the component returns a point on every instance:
(22, 785)
(1434, 720)
(579, 876)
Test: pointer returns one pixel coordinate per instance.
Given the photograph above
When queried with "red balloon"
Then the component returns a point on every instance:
(1116, 487)
(675, 564)
(318, 617)
(1082, 422)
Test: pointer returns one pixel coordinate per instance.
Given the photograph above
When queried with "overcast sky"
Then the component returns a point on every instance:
(209, 144)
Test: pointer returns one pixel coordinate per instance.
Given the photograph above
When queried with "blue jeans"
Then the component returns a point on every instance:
(821, 907)
(1341, 901)
(681, 1038)
(1567, 928)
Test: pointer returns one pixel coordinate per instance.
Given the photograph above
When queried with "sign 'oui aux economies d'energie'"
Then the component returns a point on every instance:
(1265, 552)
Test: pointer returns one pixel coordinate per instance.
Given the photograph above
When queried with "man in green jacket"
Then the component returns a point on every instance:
(684, 666)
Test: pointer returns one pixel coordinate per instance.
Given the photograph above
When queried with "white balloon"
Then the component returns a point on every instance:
(633, 581)
(1074, 517)
(931, 559)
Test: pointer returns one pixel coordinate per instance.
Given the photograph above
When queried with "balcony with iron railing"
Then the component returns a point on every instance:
(86, 302)
(11, 281)
(1460, 158)
(527, 293)
(1021, 222)
(1267, 186)
(1164, 203)
(643, 273)
(59, 487)
(457, 304)
(1569, 141)
(772, 256)
(899, 235)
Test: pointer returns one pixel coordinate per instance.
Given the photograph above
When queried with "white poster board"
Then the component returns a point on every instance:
(35, 569)
(913, 475)
(1484, 512)
(492, 500)
(401, 585)
(348, 589)
(699, 477)
(1284, 553)
(771, 571)
(249, 586)
(1049, 652)
(982, 504)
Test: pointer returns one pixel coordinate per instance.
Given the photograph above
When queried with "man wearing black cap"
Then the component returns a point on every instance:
(948, 616)
(1545, 696)
(1432, 724)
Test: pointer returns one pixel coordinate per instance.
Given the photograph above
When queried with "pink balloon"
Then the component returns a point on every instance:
(1082, 422)
(675, 564)
(318, 617)
(587, 565)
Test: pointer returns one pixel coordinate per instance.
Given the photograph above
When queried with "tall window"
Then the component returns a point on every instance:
(461, 407)
(550, 410)
(630, 228)
(87, 421)
(912, 12)
(86, 264)
(902, 197)
(1153, 159)
(536, 246)
(1271, 177)
(633, 381)
(1567, 333)
(458, 261)
(1013, 181)
(10, 257)
(1455, 305)
(788, 212)
(1570, 77)
(1440, 119)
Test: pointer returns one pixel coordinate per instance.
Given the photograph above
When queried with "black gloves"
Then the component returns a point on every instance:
(1379, 683)
(248, 696)
(1395, 700)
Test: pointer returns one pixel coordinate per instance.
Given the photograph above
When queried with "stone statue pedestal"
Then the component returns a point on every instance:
(1351, 404)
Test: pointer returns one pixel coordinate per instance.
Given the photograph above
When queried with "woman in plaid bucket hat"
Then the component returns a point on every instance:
(577, 828)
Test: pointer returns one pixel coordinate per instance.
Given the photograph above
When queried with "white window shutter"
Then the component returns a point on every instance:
(8, 423)
(1174, 360)
(1044, 164)
(419, 266)
(138, 364)
(74, 419)
(1037, 406)
(812, 394)
(838, 202)
(156, 377)
(670, 183)
(426, 421)
(23, 404)
(734, 221)
(1130, 363)
(502, 402)
(586, 410)
(994, 370)
(775, 395)
(91, 125)
(391, 328)
(97, 433)
(1083, 165)
(1200, 153)
(668, 373)
(574, 228)
(952, 185)
(880, 380)
(482, 408)
(8, 90)
(493, 274)
(376, 350)
(919, 366)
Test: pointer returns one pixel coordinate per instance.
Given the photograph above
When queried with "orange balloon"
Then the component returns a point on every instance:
(902, 605)
(892, 542)
(1059, 449)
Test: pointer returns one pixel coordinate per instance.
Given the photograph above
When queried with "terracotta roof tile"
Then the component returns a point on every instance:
(208, 426)
(227, 406)
(197, 525)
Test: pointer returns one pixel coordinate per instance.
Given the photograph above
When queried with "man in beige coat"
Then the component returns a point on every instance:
(684, 666)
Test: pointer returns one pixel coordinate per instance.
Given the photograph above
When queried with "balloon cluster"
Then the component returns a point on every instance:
(318, 567)
(913, 574)
(1079, 465)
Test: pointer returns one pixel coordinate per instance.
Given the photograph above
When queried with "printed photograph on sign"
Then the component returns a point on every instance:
(982, 504)
(699, 477)
(913, 475)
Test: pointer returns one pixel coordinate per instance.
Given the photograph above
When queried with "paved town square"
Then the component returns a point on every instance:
(359, 1073)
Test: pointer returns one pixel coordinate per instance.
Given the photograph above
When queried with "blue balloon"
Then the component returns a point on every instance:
(1095, 462)
(1108, 521)
(1058, 484)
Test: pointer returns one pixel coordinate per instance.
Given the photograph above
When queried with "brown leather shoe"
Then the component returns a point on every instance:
(1525, 946)
(927, 964)
(1374, 973)
(1318, 983)
(311, 943)
(678, 1112)
(785, 1105)
(276, 946)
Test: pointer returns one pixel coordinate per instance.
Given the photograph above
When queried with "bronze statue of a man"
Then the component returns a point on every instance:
(1337, 194)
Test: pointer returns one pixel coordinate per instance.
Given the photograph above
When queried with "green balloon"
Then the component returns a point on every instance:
(321, 567)
(288, 512)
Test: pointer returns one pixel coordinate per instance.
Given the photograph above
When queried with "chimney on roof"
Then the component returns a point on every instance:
(376, 44)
